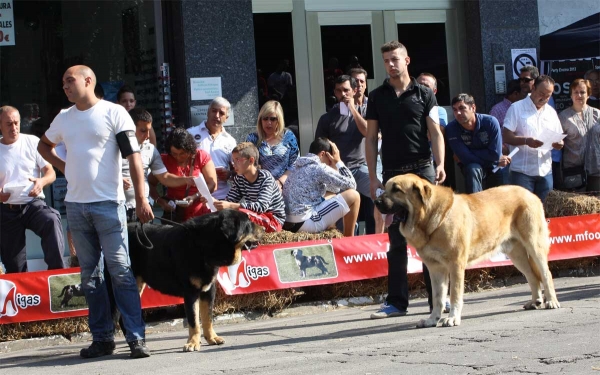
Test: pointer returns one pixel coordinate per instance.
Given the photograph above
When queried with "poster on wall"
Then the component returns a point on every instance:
(522, 57)
(7, 23)
(564, 72)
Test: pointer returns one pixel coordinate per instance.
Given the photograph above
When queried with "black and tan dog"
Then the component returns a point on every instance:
(70, 291)
(185, 259)
(303, 262)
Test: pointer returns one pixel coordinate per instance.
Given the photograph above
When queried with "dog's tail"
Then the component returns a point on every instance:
(64, 290)
(321, 259)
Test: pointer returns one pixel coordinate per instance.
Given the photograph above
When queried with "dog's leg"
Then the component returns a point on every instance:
(192, 313)
(540, 264)
(206, 313)
(439, 286)
(518, 255)
(457, 287)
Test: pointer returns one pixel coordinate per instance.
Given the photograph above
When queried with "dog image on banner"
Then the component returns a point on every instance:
(305, 263)
(66, 293)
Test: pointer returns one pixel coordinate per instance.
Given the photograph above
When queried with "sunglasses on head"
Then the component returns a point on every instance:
(525, 79)
(273, 119)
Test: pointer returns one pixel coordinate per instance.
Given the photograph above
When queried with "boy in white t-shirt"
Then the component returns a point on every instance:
(97, 135)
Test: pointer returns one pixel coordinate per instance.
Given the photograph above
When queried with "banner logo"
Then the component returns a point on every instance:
(8, 304)
(240, 275)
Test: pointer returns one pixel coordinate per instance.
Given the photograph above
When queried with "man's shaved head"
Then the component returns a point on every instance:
(84, 71)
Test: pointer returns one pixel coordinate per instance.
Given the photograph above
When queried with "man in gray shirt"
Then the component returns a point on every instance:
(346, 126)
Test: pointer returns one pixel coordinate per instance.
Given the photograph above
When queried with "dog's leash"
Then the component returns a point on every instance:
(140, 228)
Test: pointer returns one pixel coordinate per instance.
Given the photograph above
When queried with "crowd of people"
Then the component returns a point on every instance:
(114, 170)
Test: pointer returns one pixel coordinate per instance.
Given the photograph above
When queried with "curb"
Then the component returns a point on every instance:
(179, 324)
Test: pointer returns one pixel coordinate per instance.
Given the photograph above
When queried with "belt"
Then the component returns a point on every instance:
(16, 207)
(409, 167)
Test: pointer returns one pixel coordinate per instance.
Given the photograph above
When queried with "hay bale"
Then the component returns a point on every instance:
(284, 236)
(65, 327)
(560, 203)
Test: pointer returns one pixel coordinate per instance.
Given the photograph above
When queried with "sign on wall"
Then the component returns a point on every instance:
(564, 72)
(522, 57)
(199, 113)
(7, 23)
(206, 88)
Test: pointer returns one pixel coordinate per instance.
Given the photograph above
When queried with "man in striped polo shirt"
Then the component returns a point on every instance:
(253, 190)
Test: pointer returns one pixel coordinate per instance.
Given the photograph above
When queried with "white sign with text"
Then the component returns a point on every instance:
(7, 23)
(206, 88)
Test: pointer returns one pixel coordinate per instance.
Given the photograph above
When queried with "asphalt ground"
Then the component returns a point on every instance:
(496, 337)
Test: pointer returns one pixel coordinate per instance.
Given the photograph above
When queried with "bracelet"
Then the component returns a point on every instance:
(526, 139)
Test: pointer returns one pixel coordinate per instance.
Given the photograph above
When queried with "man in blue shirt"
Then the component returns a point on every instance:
(476, 140)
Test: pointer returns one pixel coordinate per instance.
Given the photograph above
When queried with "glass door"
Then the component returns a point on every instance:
(337, 42)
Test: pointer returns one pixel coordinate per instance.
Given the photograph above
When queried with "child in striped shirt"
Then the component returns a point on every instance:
(253, 190)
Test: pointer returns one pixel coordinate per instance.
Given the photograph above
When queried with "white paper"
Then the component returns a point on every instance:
(549, 137)
(17, 190)
(512, 153)
(344, 111)
(203, 190)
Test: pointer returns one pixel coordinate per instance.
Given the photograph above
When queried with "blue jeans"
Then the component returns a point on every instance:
(539, 185)
(98, 229)
(476, 177)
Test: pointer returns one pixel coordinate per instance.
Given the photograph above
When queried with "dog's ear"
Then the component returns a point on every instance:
(423, 190)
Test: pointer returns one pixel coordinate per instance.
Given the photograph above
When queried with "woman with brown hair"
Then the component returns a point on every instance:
(277, 146)
(576, 121)
(183, 159)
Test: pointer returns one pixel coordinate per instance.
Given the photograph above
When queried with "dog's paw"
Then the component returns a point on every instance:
(552, 304)
(192, 346)
(215, 340)
(450, 321)
(425, 323)
(534, 304)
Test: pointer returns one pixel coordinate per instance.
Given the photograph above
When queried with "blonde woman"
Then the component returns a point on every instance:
(277, 146)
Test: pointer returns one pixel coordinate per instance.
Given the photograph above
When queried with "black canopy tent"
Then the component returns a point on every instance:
(575, 41)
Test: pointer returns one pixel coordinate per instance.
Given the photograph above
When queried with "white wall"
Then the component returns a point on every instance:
(556, 14)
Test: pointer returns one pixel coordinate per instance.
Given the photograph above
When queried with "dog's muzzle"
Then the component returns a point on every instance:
(401, 215)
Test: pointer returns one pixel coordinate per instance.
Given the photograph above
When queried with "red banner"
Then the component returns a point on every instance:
(56, 294)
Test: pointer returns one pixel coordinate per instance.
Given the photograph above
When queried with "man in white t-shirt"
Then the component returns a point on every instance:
(98, 134)
(524, 123)
(211, 137)
(23, 176)
(151, 162)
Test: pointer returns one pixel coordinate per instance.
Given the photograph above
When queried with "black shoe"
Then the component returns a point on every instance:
(98, 349)
(139, 349)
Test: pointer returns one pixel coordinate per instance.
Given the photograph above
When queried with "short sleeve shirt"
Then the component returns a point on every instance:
(18, 162)
(151, 162)
(402, 121)
(524, 119)
(220, 150)
(93, 165)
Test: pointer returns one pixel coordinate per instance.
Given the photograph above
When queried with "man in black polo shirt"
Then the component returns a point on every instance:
(404, 112)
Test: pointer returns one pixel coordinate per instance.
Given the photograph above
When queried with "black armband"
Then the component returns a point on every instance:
(128, 143)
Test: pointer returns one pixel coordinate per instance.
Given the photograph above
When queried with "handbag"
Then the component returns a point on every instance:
(574, 178)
